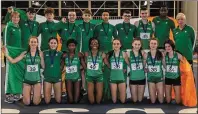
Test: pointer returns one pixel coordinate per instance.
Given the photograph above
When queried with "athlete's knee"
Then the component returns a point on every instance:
(36, 101)
(47, 101)
(178, 100)
(114, 100)
(122, 101)
(91, 101)
(26, 102)
(58, 100)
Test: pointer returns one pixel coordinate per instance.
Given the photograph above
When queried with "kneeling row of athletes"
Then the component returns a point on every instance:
(116, 61)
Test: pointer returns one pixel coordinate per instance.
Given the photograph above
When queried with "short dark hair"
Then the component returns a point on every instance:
(171, 43)
(105, 11)
(71, 41)
(53, 38)
(31, 10)
(143, 8)
(87, 11)
(163, 6)
(127, 11)
(91, 39)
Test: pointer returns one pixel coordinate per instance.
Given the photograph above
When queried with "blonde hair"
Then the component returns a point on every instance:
(14, 13)
(181, 15)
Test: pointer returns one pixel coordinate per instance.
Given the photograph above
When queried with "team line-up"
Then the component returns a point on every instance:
(106, 53)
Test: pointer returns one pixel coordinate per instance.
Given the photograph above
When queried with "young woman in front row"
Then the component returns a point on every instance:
(72, 61)
(52, 71)
(94, 74)
(137, 74)
(172, 76)
(117, 79)
(32, 78)
(155, 60)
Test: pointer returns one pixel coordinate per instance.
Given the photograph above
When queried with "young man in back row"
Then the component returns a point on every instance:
(145, 28)
(163, 25)
(126, 30)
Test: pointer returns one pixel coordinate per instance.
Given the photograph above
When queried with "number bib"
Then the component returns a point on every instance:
(172, 69)
(145, 35)
(138, 67)
(114, 66)
(154, 68)
(91, 66)
(71, 69)
(32, 68)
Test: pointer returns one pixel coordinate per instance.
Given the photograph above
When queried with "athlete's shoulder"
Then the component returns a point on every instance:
(37, 23)
(189, 27)
(155, 18)
(45, 51)
(119, 24)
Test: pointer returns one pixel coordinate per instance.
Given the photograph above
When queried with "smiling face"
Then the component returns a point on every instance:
(33, 42)
(31, 16)
(126, 17)
(86, 17)
(94, 44)
(49, 16)
(116, 45)
(105, 16)
(163, 11)
(144, 14)
(153, 44)
(71, 47)
(53, 44)
(168, 47)
(181, 21)
(136, 45)
(15, 18)
(72, 17)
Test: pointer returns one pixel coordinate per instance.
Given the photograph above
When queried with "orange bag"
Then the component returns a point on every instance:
(188, 89)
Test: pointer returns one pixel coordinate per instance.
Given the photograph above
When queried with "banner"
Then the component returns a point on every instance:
(14, 72)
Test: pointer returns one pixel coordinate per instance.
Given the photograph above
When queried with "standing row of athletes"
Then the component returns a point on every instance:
(97, 51)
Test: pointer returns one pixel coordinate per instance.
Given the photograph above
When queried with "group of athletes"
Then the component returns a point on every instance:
(99, 58)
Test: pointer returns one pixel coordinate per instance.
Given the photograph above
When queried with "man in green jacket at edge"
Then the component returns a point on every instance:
(105, 32)
(27, 23)
(184, 36)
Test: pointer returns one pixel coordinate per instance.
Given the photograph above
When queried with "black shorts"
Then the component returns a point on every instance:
(174, 82)
(138, 82)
